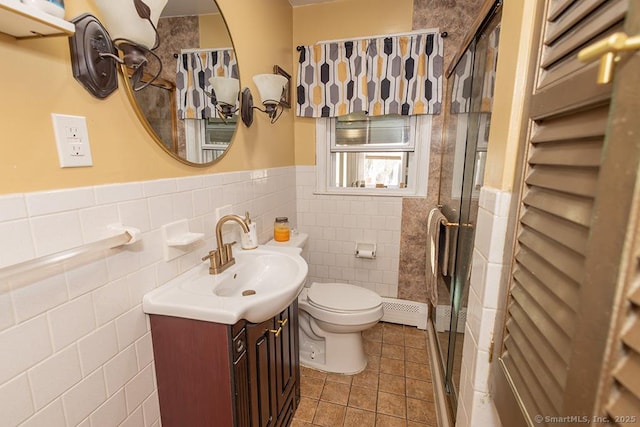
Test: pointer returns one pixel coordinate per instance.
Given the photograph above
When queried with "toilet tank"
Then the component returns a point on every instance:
(298, 240)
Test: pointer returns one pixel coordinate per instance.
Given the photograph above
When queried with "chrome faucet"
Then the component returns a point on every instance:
(222, 258)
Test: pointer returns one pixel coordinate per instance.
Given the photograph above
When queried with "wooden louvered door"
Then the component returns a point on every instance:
(576, 200)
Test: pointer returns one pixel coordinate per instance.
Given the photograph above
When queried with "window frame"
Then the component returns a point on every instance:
(420, 128)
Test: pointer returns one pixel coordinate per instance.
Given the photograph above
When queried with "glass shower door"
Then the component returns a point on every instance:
(467, 129)
(455, 152)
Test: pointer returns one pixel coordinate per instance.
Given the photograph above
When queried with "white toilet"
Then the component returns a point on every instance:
(332, 317)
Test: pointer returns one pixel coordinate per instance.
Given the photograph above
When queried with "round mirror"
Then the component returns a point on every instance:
(176, 109)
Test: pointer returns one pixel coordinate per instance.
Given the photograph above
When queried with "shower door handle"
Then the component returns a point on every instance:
(457, 225)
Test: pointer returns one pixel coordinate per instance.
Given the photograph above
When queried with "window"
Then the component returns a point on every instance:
(386, 155)
(208, 139)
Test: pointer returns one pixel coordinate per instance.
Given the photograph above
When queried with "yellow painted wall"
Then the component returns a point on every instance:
(337, 20)
(213, 31)
(37, 81)
(510, 93)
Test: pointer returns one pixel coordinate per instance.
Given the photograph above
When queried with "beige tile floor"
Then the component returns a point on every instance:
(394, 390)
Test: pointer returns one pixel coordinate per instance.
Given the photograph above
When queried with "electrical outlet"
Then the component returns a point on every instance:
(72, 140)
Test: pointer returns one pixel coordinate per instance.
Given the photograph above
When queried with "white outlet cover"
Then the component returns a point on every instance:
(72, 140)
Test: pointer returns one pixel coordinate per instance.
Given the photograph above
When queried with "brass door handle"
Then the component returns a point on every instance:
(606, 50)
(283, 322)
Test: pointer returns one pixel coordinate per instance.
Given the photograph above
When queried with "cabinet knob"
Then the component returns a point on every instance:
(283, 322)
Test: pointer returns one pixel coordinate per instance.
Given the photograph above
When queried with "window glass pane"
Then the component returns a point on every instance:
(370, 169)
(358, 129)
(219, 132)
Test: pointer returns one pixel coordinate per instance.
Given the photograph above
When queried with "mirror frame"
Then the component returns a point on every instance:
(125, 72)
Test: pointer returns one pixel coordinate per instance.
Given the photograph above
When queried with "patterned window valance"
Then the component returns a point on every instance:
(388, 75)
(463, 77)
(461, 89)
(192, 80)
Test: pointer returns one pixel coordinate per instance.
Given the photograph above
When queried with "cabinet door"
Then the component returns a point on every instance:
(192, 362)
(286, 354)
(262, 373)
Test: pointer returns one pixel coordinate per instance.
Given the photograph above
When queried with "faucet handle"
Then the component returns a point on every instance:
(210, 255)
(228, 251)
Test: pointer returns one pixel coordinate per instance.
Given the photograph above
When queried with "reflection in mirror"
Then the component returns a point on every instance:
(177, 109)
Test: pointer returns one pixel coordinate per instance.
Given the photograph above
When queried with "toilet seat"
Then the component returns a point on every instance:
(342, 298)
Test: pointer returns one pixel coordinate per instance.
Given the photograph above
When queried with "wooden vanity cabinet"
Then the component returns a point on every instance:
(211, 374)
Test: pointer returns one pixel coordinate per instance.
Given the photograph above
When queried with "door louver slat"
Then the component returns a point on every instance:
(558, 27)
(578, 181)
(536, 391)
(566, 233)
(624, 404)
(632, 336)
(561, 314)
(587, 124)
(635, 296)
(563, 287)
(569, 153)
(557, 339)
(531, 357)
(523, 387)
(557, 7)
(628, 373)
(572, 208)
(568, 262)
(553, 361)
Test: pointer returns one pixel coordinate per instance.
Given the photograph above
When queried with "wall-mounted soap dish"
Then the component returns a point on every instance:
(177, 238)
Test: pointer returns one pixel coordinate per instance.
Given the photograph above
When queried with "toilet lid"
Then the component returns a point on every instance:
(342, 297)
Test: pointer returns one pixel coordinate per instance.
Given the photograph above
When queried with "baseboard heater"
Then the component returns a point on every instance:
(405, 312)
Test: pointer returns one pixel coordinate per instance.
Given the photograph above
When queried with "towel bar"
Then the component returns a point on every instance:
(129, 236)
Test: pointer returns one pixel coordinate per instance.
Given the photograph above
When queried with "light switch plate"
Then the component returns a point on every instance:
(72, 140)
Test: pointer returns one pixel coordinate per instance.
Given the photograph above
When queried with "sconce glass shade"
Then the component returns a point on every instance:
(270, 87)
(121, 19)
(226, 89)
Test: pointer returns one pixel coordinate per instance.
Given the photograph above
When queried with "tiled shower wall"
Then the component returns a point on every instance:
(475, 405)
(335, 223)
(75, 346)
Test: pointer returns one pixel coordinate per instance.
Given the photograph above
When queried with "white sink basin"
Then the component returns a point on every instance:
(261, 284)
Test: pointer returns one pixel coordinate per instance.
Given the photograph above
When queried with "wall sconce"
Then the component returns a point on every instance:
(132, 25)
(271, 88)
(225, 95)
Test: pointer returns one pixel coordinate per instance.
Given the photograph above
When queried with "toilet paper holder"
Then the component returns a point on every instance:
(365, 250)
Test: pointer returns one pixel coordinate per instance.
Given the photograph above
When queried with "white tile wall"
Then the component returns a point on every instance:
(336, 223)
(475, 406)
(75, 348)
